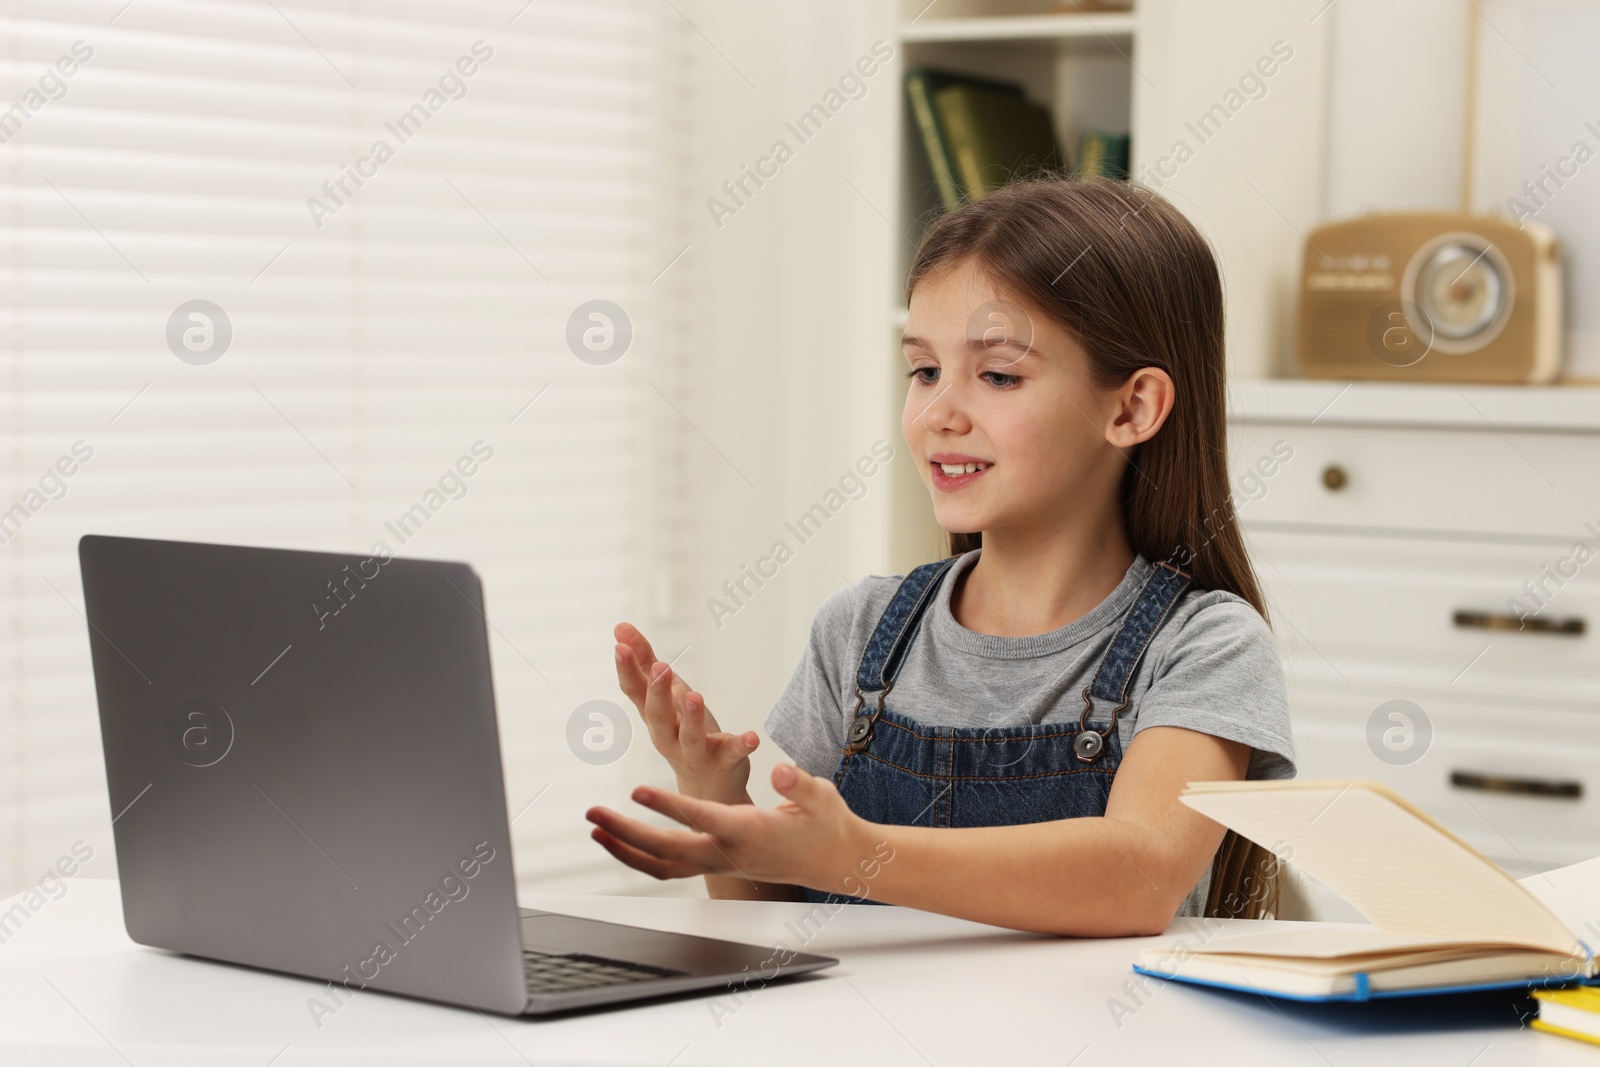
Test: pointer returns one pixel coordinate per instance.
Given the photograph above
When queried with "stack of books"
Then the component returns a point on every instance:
(979, 134)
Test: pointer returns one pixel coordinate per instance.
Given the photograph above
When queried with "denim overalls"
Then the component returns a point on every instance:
(895, 770)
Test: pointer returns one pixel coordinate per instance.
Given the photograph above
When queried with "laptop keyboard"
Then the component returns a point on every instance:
(549, 972)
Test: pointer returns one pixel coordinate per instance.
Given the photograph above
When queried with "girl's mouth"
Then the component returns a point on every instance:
(949, 482)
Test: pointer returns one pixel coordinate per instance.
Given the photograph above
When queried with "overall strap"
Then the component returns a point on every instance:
(886, 649)
(1161, 590)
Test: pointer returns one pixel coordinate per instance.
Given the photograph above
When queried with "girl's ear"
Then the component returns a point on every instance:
(1140, 407)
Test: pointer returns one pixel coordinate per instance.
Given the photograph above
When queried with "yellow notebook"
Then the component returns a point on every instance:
(1444, 917)
(1570, 1012)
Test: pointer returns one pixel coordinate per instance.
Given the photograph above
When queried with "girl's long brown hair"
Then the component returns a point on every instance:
(1136, 285)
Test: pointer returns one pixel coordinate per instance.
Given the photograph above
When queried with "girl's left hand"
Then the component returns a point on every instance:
(812, 840)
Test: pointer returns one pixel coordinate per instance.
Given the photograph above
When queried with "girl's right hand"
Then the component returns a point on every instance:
(709, 763)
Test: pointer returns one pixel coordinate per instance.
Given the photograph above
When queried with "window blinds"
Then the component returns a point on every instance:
(270, 268)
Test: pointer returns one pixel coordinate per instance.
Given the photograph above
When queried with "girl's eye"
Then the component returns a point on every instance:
(918, 370)
(998, 380)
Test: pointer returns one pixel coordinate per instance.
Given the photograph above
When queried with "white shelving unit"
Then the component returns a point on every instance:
(1063, 27)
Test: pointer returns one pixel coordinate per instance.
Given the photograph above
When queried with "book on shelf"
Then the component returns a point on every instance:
(977, 133)
(994, 136)
(1103, 153)
(1443, 917)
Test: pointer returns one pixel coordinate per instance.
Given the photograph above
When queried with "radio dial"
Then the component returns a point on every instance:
(1461, 290)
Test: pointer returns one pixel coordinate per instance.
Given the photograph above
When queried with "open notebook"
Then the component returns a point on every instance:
(1445, 918)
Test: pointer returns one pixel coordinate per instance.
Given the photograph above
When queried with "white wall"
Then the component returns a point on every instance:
(1253, 187)
(1539, 105)
(786, 325)
(1397, 79)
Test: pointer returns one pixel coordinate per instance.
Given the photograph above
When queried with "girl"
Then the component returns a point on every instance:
(1095, 640)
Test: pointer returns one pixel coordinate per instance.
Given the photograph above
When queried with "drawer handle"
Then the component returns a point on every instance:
(1334, 477)
(1488, 620)
(1534, 787)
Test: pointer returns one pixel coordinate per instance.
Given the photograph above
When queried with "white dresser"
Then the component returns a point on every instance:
(1436, 614)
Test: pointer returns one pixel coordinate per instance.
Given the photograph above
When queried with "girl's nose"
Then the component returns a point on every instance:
(946, 411)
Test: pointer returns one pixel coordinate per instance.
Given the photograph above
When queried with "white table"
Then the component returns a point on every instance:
(911, 988)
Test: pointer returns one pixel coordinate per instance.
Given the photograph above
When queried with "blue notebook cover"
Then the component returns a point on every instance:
(1364, 992)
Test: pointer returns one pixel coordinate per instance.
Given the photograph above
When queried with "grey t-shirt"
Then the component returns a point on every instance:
(1212, 667)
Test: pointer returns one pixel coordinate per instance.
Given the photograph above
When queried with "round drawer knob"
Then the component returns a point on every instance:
(1334, 477)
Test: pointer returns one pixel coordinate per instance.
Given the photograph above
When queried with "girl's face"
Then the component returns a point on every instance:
(1000, 385)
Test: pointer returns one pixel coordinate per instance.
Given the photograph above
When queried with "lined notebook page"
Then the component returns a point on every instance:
(1395, 865)
(1573, 894)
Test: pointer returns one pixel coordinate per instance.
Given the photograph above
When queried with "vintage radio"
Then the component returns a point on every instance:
(1431, 296)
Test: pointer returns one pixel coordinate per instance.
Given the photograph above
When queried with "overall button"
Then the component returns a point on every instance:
(1088, 744)
(860, 728)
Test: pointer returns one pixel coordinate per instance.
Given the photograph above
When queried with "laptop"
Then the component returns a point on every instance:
(304, 769)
